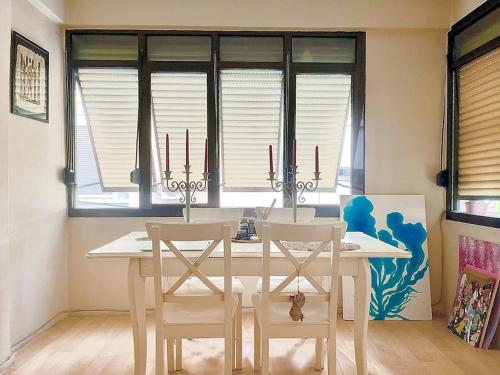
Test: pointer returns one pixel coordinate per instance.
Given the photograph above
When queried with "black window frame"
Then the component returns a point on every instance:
(212, 68)
(452, 122)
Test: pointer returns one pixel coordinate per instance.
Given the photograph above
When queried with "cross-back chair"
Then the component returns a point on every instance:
(195, 306)
(214, 214)
(272, 306)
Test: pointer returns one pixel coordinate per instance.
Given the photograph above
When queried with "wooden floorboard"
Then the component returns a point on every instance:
(103, 345)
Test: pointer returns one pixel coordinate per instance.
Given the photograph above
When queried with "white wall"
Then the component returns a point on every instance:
(5, 15)
(404, 109)
(460, 8)
(406, 46)
(267, 14)
(36, 205)
(453, 229)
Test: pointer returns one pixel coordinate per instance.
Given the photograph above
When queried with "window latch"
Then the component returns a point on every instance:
(135, 176)
(69, 176)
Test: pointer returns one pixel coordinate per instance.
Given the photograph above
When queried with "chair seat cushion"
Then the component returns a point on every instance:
(194, 286)
(196, 313)
(314, 312)
(305, 286)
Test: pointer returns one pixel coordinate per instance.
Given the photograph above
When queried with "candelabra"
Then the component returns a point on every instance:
(291, 184)
(186, 187)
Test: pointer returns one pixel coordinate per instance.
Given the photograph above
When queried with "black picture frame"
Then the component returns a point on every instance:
(35, 97)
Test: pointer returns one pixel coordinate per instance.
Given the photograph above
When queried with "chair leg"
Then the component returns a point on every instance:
(228, 349)
(256, 342)
(178, 354)
(160, 353)
(320, 358)
(233, 357)
(265, 353)
(239, 333)
(332, 354)
(170, 355)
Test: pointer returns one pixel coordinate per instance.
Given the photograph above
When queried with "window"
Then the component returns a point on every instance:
(474, 118)
(242, 91)
(323, 119)
(252, 119)
(106, 134)
(179, 102)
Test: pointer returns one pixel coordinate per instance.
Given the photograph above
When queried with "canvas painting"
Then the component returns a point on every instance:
(484, 255)
(473, 303)
(400, 287)
(29, 93)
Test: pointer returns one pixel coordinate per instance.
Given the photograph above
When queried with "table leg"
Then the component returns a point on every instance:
(137, 314)
(362, 291)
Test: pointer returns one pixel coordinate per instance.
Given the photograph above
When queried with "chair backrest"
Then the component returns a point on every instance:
(328, 236)
(214, 214)
(285, 215)
(214, 232)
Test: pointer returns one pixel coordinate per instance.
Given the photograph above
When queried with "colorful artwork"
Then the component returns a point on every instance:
(481, 254)
(485, 256)
(29, 79)
(400, 287)
(473, 303)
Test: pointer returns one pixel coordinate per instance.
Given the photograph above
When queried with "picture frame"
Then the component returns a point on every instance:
(29, 78)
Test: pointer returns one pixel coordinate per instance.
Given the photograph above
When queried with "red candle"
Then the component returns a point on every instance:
(167, 151)
(294, 153)
(271, 169)
(316, 155)
(187, 147)
(205, 170)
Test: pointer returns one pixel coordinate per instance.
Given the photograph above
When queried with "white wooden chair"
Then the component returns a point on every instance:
(285, 215)
(200, 307)
(214, 214)
(271, 305)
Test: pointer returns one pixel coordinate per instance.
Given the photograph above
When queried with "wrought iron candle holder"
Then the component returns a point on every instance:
(186, 187)
(291, 184)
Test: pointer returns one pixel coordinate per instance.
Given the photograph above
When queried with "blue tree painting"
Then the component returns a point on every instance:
(393, 280)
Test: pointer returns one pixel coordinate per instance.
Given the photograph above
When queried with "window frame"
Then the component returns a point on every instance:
(212, 68)
(452, 122)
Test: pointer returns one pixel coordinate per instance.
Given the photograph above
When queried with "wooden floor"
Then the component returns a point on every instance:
(103, 345)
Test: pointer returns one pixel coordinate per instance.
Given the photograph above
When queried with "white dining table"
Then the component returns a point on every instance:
(246, 261)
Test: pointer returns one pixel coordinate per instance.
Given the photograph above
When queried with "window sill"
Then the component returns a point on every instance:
(487, 221)
(172, 211)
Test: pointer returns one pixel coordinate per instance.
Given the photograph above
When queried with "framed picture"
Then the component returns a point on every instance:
(29, 65)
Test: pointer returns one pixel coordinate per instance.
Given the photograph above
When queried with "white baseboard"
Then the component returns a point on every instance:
(7, 363)
(51, 322)
(18, 346)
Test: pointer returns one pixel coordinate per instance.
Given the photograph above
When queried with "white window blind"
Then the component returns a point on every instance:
(251, 103)
(322, 112)
(110, 103)
(179, 102)
(479, 124)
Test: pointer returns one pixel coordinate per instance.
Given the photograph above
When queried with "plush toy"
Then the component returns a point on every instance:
(298, 301)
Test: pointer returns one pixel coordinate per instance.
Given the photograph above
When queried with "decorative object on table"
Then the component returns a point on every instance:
(29, 79)
(246, 233)
(186, 187)
(268, 211)
(484, 255)
(473, 304)
(290, 182)
(400, 288)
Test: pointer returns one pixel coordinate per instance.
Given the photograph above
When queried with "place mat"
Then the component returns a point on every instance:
(254, 240)
(311, 246)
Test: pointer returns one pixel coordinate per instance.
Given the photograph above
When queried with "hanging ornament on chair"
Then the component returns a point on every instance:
(298, 301)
